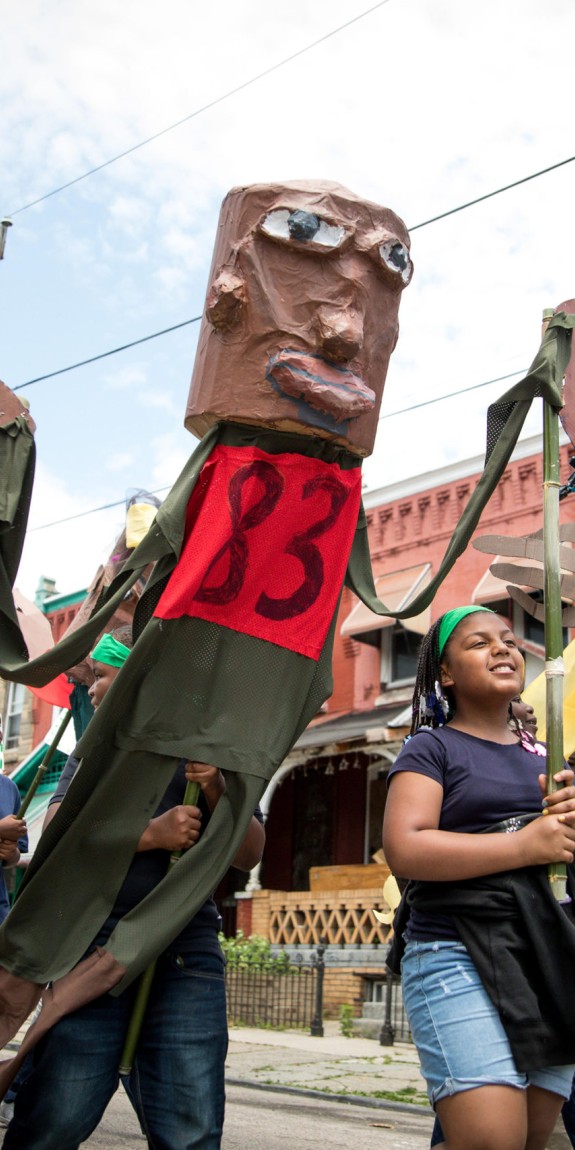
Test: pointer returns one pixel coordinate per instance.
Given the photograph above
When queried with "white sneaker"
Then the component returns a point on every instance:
(6, 1113)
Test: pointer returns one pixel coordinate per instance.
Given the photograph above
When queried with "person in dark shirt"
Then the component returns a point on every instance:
(177, 1082)
(522, 715)
(462, 773)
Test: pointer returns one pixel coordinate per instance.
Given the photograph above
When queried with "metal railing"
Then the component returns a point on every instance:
(395, 1027)
(277, 992)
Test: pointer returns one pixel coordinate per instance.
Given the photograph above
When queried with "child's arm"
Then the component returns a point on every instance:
(415, 848)
(179, 828)
(213, 785)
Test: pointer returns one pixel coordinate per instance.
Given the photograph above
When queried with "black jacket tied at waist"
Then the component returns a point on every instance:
(522, 943)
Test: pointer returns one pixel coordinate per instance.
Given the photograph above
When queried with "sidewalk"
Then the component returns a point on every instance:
(333, 1065)
(356, 1070)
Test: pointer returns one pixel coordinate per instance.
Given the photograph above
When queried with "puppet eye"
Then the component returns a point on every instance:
(395, 256)
(302, 227)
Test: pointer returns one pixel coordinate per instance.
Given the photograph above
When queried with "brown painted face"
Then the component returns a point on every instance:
(301, 313)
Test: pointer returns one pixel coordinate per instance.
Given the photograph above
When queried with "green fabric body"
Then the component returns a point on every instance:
(189, 689)
(17, 466)
(505, 418)
(194, 689)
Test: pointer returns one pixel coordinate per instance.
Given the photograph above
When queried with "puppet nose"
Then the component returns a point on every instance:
(340, 333)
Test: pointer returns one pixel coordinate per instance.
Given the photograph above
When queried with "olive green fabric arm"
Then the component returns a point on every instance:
(505, 418)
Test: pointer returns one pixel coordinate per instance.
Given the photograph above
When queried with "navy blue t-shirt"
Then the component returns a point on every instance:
(148, 868)
(483, 783)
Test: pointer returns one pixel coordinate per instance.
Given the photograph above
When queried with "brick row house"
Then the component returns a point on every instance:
(323, 870)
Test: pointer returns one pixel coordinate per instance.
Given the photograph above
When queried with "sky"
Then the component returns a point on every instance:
(419, 105)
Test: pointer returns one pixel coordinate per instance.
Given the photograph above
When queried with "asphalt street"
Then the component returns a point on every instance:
(263, 1119)
(328, 1093)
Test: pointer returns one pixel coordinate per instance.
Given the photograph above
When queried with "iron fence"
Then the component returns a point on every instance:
(276, 991)
(395, 1027)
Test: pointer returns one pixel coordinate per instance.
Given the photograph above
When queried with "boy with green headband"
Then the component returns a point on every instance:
(177, 1082)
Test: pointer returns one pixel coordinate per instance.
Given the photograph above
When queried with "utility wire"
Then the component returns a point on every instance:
(196, 319)
(92, 511)
(451, 395)
(488, 195)
(204, 108)
(105, 354)
(389, 415)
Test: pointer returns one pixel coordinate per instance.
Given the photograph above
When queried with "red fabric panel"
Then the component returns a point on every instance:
(266, 546)
(57, 692)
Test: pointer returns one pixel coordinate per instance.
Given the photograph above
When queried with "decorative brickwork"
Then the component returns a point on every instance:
(302, 918)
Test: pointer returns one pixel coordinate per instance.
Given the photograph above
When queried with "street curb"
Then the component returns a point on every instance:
(325, 1096)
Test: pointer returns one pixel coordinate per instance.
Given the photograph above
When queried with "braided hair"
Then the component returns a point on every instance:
(432, 706)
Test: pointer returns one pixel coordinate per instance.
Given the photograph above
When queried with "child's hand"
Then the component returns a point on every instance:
(12, 828)
(210, 780)
(562, 801)
(9, 852)
(549, 839)
(174, 830)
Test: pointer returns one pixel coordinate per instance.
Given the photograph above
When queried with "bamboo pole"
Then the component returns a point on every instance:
(43, 766)
(146, 979)
(554, 668)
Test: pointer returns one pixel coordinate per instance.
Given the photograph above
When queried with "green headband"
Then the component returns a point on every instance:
(109, 650)
(451, 619)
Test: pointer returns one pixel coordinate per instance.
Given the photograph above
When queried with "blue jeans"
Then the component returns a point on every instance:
(177, 1082)
(458, 1033)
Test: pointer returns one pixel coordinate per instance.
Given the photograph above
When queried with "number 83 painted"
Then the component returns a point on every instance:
(260, 531)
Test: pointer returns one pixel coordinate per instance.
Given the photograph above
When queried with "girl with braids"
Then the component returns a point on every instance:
(488, 954)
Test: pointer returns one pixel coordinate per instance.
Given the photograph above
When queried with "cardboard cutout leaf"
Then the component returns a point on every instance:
(532, 577)
(525, 547)
(392, 896)
(537, 610)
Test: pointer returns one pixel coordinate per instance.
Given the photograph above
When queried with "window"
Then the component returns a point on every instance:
(14, 708)
(399, 653)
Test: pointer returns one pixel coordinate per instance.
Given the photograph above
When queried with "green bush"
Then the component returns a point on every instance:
(345, 1020)
(254, 953)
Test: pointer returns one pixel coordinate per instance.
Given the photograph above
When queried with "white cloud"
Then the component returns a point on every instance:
(163, 401)
(71, 551)
(419, 106)
(119, 462)
(131, 376)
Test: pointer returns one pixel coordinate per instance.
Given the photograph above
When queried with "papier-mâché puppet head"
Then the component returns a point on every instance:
(301, 313)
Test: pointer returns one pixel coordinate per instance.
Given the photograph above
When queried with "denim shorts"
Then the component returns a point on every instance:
(457, 1031)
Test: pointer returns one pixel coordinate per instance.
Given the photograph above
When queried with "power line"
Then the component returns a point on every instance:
(204, 108)
(196, 319)
(105, 354)
(451, 394)
(389, 415)
(91, 511)
(488, 195)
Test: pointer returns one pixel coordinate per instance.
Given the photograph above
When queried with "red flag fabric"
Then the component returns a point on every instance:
(260, 532)
(57, 692)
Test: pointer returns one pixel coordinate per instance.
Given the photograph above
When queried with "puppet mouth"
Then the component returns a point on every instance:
(325, 386)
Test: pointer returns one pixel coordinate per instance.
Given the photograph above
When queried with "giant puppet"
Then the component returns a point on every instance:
(234, 630)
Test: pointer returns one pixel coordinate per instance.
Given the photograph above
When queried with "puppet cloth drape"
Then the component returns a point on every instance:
(190, 688)
(198, 689)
